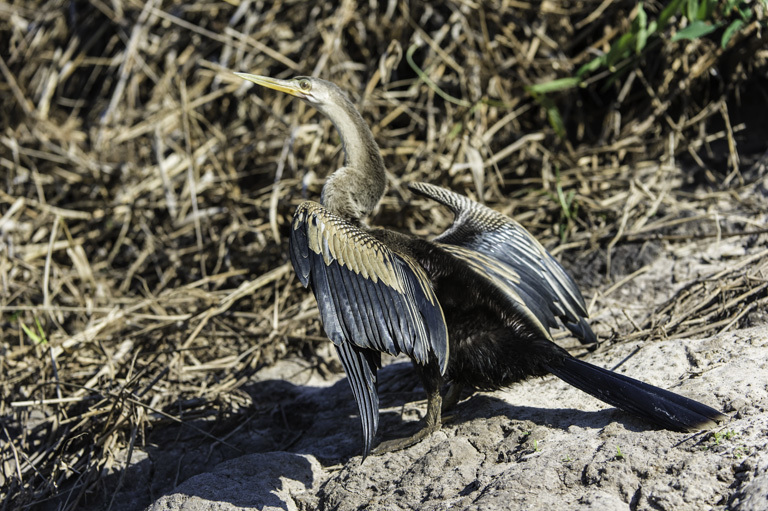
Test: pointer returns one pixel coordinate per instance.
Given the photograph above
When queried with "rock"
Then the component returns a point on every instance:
(269, 482)
(752, 494)
(541, 444)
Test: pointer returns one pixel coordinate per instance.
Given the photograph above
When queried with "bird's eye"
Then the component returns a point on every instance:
(305, 85)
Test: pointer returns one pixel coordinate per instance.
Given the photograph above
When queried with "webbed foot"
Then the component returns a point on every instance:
(431, 424)
(398, 444)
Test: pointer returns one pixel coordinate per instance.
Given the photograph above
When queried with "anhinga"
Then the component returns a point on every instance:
(472, 307)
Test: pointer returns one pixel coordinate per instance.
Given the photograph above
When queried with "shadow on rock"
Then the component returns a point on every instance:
(254, 481)
(400, 419)
(484, 406)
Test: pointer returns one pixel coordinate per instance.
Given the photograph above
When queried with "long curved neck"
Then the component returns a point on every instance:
(354, 190)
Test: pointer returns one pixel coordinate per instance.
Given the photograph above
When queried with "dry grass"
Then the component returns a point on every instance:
(145, 192)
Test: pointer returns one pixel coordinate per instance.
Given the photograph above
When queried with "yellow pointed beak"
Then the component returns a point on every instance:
(287, 86)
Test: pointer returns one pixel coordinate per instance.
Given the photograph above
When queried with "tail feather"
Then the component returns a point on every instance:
(662, 407)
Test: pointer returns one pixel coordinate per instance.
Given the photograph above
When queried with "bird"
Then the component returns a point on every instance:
(472, 308)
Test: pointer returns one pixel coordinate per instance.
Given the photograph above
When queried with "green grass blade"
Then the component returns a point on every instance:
(695, 30)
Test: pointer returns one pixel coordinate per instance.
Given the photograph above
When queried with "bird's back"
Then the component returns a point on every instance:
(494, 337)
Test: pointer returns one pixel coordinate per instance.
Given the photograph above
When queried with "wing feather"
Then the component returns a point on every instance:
(372, 299)
(504, 250)
(360, 368)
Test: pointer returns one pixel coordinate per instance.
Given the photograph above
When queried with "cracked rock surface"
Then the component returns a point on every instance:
(540, 444)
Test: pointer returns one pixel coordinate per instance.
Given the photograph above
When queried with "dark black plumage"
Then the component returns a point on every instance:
(472, 307)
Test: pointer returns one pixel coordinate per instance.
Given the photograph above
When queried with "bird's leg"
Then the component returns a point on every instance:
(431, 424)
(434, 409)
(432, 379)
(452, 396)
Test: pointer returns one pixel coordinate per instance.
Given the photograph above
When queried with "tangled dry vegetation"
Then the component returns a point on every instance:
(145, 192)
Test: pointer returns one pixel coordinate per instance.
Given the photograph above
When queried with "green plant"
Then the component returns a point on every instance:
(740, 452)
(569, 207)
(38, 338)
(702, 18)
(719, 436)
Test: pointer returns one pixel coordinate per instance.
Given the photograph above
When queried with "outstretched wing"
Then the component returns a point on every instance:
(371, 299)
(501, 248)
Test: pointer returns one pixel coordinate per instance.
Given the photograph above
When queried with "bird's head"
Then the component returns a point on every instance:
(321, 94)
(353, 190)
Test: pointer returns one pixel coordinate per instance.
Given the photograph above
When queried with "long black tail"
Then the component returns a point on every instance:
(662, 407)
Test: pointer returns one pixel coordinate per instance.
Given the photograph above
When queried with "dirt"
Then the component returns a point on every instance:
(539, 444)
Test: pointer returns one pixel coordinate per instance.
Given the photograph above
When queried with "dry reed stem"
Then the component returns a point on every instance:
(146, 193)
